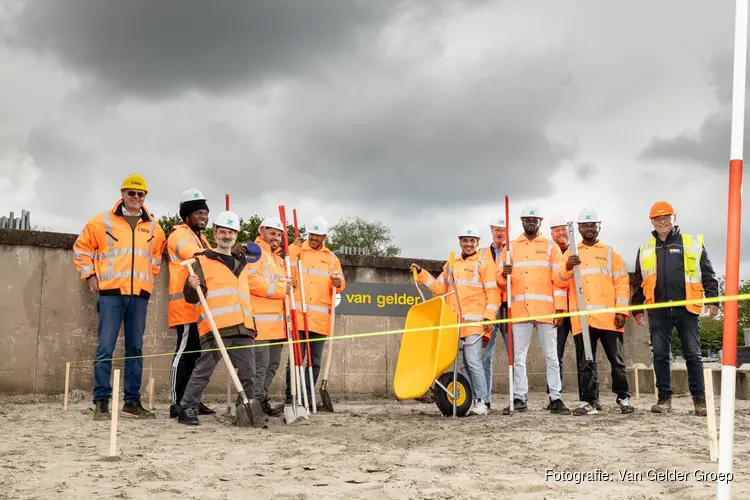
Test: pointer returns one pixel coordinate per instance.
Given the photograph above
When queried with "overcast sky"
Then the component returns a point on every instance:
(421, 114)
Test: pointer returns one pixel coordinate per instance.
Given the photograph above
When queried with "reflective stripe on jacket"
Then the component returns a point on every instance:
(227, 295)
(267, 293)
(691, 252)
(126, 260)
(318, 268)
(182, 245)
(477, 290)
(606, 284)
(532, 289)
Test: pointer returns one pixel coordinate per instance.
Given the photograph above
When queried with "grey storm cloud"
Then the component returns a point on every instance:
(169, 46)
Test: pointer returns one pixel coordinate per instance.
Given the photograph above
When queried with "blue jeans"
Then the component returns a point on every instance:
(489, 350)
(113, 310)
(661, 322)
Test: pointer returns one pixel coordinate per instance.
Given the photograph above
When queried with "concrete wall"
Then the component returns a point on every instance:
(49, 317)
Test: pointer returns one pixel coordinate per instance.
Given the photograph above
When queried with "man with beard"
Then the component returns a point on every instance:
(479, 298)
(186, 240)
(674, 266)
(605, 284)
(223, 278)
(533, 294)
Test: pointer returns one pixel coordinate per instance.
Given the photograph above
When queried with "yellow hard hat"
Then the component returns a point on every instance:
(135, 181)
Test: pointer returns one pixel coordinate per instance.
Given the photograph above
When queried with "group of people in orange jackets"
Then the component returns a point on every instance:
(119, 255)
(671, 266)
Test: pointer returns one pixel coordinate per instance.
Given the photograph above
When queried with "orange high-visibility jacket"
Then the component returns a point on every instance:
(318, 268)
(183, 243)
(531, 286)
(605, 284)
(126, 261)
(486, 254)
(478, 294)
(227, 295)
(267, 293)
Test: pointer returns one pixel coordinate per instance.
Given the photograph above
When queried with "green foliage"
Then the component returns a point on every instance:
(358, 232)
(248, 228)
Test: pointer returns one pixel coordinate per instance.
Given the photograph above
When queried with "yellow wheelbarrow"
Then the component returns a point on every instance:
(426, 353)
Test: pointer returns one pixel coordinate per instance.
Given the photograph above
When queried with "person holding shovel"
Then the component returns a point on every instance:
(223, 278)
(605, 284)
(479, 299)
(321, 270)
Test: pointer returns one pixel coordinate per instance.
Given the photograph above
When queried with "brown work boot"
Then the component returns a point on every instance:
(664, 405)
(700, 406)
(101, 410)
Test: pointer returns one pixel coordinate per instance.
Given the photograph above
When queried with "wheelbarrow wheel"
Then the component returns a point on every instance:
(444, 400)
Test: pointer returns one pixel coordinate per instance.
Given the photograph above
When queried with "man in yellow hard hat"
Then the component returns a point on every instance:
(674, 266)
(118, 255)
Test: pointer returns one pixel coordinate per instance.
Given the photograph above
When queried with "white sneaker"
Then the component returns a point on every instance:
(478, 408)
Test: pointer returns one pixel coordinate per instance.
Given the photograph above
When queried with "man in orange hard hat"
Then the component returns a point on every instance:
(671, 267)
(118, 255)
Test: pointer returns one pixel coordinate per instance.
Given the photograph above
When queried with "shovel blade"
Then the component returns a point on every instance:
(326, 398)
(290, 417)
(250, 414)
(302, 413)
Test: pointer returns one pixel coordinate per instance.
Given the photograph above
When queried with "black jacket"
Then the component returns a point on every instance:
(191, 294)
(670, 272)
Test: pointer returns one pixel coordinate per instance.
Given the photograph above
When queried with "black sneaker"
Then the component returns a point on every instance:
(101, 410)
(271, 412)
(188, 416)
(518, 405)
(174, 411)
(205, 410)
(558, 407)
(135, 409)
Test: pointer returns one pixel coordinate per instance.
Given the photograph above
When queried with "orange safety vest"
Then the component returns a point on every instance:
(533, 292)
(227, 296)
(487, 255)
(267, 293)
(691, 251)
(477, 290)
(317, 268)
(182, 245)
(126, 261)
(606, 284)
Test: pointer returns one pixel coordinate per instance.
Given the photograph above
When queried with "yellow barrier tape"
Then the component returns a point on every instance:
(524, 319)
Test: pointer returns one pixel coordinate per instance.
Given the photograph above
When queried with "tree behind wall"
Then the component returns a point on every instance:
(357, 232)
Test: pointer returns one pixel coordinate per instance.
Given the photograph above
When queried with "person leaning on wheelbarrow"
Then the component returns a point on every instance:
(223, 278)
(479, 297)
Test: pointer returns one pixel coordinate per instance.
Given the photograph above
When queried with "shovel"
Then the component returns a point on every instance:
(249, 413)
(327, 403)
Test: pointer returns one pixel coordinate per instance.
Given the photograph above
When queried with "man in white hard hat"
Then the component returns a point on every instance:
(490, 254)
(534, 259)
(185, 241)
(322, 273)
(606, 285)
(223, 278)
(479, 298)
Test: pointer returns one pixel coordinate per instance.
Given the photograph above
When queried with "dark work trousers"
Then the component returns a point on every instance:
(242, 359)
(316, 351)
(183, 362)
(562, 337)
(661, 322)
(614, 348)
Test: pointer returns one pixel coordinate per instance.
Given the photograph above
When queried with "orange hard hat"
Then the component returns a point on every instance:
(661, 208)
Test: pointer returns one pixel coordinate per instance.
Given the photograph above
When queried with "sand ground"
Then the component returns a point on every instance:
(375, 449)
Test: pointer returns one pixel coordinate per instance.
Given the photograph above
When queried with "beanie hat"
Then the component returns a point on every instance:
(187, 208)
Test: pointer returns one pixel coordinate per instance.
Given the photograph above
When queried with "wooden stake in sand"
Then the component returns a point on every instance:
(67, 386)
(151, 382)
(635, 377)
(653, 370)
(713, 440)
(115, 413)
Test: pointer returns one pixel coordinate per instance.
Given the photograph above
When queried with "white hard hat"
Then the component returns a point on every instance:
(531, 211)
(272, 222)
(588, 215)
(469, 230)
(318, 226)
(191, 194)
(557, 220)
(498, 222)
(229, 220)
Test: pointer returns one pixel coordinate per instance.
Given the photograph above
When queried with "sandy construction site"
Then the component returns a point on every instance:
(374, 449)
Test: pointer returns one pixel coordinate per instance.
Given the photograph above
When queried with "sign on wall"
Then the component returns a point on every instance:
(378, 299)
